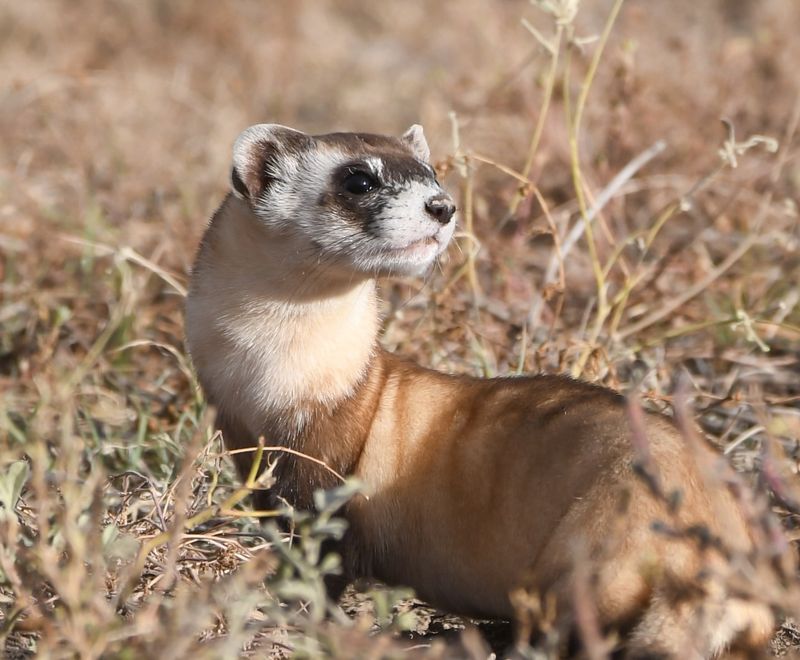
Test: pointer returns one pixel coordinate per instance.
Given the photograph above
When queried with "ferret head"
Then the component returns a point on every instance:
(366, 203)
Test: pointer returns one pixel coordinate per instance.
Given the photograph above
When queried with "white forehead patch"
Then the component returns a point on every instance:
(376, 165)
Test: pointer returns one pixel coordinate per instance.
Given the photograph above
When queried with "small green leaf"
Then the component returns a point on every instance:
(117, 545)
(333, 499)
(330, 564)
(334, 529)
(295, 590)
(11, 483)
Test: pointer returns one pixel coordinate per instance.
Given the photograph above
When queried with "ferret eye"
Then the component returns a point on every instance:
(359, 183)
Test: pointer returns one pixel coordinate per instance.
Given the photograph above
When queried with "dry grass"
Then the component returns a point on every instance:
(116, 120)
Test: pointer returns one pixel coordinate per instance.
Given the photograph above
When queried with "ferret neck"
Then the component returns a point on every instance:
(282, 339)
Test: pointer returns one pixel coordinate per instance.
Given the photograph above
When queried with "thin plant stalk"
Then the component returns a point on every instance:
(574, 123)
(533, 147)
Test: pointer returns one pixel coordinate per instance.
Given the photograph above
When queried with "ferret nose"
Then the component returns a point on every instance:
(441, 208)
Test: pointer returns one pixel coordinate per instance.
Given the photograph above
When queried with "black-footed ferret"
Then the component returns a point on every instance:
(476, 486)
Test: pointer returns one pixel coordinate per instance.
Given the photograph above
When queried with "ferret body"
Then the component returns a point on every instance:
(476, 486)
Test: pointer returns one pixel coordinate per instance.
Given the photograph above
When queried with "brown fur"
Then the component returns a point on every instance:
(475, 487)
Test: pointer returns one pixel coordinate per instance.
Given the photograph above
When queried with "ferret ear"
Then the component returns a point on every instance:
(415, 139)
(260, 156)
